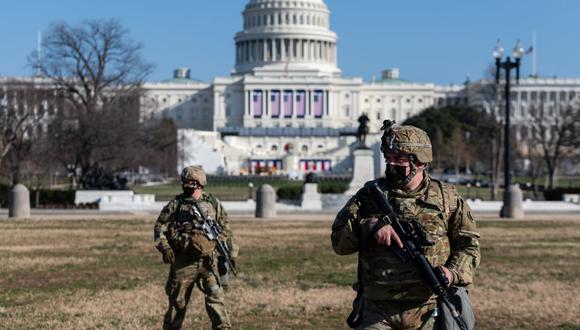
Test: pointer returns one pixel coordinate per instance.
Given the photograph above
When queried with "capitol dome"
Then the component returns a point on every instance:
(289, 37)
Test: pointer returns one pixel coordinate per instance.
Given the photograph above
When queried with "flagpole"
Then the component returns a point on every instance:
(534, 52)
(38, 52)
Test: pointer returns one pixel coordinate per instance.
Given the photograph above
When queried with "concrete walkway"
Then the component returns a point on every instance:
(240, 211)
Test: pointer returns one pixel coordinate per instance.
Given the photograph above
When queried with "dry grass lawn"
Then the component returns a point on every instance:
(105, 274)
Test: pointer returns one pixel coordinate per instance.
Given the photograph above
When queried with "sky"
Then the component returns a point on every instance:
(442, 41)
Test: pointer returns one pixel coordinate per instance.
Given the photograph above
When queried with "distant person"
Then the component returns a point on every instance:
(193, 257)
(393, 293)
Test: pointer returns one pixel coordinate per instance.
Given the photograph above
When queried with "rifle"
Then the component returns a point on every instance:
(414, 238)
(211, 229)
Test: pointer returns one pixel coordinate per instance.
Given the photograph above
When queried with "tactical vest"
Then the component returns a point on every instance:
(186, 239)
(384, 275)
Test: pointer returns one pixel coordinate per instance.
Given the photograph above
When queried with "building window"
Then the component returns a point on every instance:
(304, 148)
(274, 148)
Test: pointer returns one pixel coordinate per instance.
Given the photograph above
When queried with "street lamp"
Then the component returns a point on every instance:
(251, 188)
(512, 196)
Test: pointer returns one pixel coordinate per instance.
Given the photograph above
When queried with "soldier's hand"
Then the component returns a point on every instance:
(386, 235)
(448, 274)
(168, 256)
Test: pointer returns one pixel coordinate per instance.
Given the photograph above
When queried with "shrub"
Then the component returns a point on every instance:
(558, 193)
(289, 191)
(332, 187)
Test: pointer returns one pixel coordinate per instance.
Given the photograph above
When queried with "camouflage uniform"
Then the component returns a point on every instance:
(196, 258)
(395, 296)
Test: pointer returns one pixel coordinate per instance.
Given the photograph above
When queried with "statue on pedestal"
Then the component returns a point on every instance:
(363, 131)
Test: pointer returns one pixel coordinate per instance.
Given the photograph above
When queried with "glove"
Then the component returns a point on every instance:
(222, 266)
(168, 256)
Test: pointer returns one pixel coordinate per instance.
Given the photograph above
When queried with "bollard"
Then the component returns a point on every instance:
(266, 202)
(19, 202)
(512, 203)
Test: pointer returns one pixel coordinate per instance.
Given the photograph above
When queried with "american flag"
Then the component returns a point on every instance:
(287, 104)
(318, 104)
(275, 103)
(529, 50)
(257, 99)
(301, 103)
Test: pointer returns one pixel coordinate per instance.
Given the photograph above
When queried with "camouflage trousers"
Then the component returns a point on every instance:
(383, 315)
(183, 277)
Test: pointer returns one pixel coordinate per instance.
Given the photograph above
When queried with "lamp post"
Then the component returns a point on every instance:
(251, 192)
(512, 196)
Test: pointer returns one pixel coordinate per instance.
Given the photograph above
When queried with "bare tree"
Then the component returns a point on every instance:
(98, 72)
(531, 153)
(555, 129)
(22, 107)
(486, 95)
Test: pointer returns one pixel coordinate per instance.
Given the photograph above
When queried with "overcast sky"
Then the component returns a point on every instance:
(429, 41)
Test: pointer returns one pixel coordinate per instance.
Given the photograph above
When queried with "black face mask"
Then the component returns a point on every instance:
(397, 175)
(188, 191)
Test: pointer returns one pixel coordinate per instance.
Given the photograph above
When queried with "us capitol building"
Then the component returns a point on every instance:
(286, 108)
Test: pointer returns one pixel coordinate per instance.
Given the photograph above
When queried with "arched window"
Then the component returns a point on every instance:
(274, 148)
(304, 148)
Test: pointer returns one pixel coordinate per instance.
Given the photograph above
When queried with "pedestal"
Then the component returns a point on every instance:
(310, 197)
(363, 170)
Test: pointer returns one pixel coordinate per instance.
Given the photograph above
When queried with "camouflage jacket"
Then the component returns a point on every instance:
(447, 220)
(169, 228)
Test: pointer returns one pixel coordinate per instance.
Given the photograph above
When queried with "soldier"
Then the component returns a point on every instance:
(192, 256)
(394, 294)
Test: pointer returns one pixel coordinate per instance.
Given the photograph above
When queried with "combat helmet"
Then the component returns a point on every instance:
(194, 172)
(409, 140)
(406, 139)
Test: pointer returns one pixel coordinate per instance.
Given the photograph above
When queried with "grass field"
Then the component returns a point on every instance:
(105, 274)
